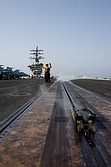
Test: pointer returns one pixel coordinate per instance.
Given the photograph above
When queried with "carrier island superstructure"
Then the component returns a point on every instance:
(36, 67)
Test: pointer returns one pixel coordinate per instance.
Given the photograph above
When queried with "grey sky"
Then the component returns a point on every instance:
(74, 34)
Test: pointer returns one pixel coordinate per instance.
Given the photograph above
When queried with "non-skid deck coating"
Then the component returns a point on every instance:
(23, 147)
(26, 145)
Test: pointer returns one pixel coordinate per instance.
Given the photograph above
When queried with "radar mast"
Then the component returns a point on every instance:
(36, 67)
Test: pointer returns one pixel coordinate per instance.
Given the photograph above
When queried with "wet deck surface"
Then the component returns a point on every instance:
(14, 93)
(45, 137)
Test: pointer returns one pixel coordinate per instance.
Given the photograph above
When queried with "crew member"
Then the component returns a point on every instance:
(47, 68)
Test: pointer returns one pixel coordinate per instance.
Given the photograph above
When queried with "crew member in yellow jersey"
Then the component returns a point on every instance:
(47, 68)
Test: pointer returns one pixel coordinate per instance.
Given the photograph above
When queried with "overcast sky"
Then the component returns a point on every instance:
(74, 34)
